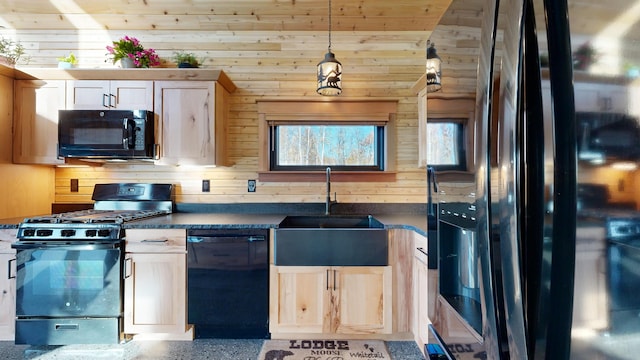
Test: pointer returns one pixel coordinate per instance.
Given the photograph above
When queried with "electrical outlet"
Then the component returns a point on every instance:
(74, 185)
(206, 185)
(251, 186)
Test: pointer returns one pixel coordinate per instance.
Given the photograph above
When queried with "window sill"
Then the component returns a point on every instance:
(321, 176)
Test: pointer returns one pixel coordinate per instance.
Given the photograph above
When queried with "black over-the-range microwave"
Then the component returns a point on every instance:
(106, 134)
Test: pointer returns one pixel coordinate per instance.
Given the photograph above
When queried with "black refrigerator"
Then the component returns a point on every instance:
(557, 231)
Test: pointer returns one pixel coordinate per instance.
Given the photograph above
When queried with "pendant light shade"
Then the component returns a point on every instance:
(434, 68)
(329, 70)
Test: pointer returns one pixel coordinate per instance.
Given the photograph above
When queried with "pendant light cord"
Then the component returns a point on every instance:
(329, 26)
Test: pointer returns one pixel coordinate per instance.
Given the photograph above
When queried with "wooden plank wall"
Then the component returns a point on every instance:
(265, 62)
(259, 72)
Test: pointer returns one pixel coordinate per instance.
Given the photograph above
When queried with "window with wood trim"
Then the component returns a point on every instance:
(446, 148)
(299, 139)
(350, 147)
(449, 134)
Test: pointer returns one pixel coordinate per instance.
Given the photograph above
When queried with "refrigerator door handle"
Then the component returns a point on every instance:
(563, 244)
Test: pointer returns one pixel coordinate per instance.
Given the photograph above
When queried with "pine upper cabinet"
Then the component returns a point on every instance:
(330, 300)
(192, 117)
(35, 127)
(109, 95)
(155, 293)
(601, 97)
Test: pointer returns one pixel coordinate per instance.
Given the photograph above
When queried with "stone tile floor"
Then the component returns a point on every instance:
(210, 349)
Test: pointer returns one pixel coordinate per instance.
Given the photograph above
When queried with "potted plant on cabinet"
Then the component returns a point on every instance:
(11, 52)
(67, 62)
(186, 59)
(131, 54)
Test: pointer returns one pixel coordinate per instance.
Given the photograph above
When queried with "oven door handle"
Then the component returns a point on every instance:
(9, 268)
(65, 246)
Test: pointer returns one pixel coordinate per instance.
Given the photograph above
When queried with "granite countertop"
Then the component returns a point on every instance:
(11, 223)
(417, 223)
(190, 220)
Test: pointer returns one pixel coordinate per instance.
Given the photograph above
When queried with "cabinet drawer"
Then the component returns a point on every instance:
(156, 240)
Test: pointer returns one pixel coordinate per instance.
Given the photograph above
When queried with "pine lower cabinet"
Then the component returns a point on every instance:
(155, 293)
(591, 304)
(422, 299)
(330, 300)
(7, 285)
(7, 295)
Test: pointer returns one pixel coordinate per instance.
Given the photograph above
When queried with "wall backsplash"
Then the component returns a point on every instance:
(229, 184)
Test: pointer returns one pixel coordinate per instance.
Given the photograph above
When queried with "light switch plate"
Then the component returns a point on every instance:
(251, 186)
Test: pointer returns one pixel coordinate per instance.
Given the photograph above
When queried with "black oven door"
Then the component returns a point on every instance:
(68, 280)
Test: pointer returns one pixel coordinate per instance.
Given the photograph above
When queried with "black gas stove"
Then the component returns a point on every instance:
(69, 279)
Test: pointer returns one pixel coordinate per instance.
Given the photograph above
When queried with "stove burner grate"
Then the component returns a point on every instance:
(93, 216)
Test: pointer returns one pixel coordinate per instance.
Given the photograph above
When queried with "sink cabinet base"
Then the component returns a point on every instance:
(330, 300)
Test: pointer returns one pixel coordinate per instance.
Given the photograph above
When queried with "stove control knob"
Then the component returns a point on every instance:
(68, 233)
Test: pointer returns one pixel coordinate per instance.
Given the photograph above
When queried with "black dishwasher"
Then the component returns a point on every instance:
(228, 283)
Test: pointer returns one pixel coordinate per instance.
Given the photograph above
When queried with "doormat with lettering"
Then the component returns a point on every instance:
(324, 350)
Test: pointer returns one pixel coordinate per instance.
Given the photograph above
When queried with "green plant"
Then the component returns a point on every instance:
(181, 57)
(130, 47)
(584, 56)
(71, 59)
(13, 51)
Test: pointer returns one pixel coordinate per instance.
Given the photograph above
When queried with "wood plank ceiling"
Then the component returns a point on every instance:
(380, 43)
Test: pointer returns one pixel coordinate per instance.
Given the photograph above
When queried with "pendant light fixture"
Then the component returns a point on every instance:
(329, 70)
(434, 68)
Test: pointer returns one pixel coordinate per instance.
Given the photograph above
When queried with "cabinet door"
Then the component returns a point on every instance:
(363, 296)
(132, 95)
(601, 97)
(299, 299)
(35, 134)
(155, 295)
(88, 94)
(103, 95)
(188, 123)
(7, 298)
(156, 241)
(421, 316)
(590, 307)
